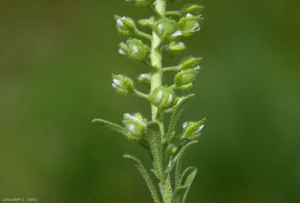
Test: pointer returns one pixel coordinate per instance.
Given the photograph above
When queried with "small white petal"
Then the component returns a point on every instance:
(134, 118)
(197, 68)
(121, 51)
(170, 99)
(184, 125)
(160, 28)
(146, 76)
(159, 95)
(119, 23)
(116, 82)
(177, 33)
(132, 128)
(201, 127)
(196, 26)
(188, 15)
(135, 49)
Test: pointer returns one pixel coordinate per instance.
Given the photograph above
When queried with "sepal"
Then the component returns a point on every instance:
(193, 9)
(192, 62)
(147, 22)
(145, 78)
(176, 47)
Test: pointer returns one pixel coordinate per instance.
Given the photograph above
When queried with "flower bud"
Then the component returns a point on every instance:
(135, 49)
(147, 22)
(141, 3)
(145, 78)
(135, 124)
(163, 97)
(192, 62)
(190, 24)
(185, 79)
(193, 9)
(122, 84)
(167, 29)
(176, 47)
(171, 150)
(125, 25)
(192, 130)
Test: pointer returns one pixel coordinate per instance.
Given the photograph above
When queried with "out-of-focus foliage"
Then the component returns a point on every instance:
(56, 60)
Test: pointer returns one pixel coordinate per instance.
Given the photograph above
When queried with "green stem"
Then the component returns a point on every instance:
(156, 81)
(171, 68)
(141, 94)
(173, 13)
(156, 73)
(142, 34)
(160, 7)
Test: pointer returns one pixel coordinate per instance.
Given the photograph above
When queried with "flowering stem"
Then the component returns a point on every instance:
(156, 81)
(166, 146)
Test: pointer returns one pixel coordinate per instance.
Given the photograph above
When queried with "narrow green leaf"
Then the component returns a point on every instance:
(154, 138)
(178, 194)
(178, 160)
(187, 179)
(178, 109)
(112, 126)
(122, 130)
(145, 175)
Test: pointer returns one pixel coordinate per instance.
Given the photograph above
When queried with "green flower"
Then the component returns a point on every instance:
(122, 84)
(167, 29)
(125, 25)
(185, 79)
(135, 49)
(135, 124)
(163, 97)
(190, 24)
(192, 130)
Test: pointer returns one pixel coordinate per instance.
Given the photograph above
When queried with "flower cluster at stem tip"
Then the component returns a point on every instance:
(147, 40)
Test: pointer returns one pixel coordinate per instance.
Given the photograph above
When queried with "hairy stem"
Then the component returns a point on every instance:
(156, 74)
(156, 81)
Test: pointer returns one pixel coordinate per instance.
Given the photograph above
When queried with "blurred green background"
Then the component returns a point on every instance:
(56, 60)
